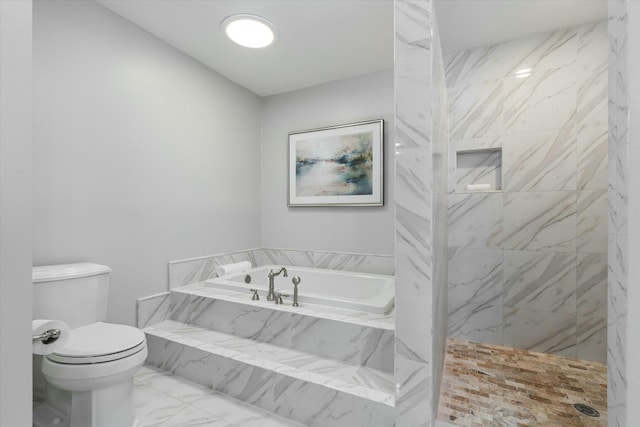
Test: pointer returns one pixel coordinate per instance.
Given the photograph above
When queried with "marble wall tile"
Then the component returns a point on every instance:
(367, 413)
(552, 333)
(475, 220)
(364, 263)
(592, 221)
(476, 322)
(455, 146)
(542, 221)
(475, 277)
(180, 307)
(557, 49)
(592, 101)
(476, 110)
(592, 158)
(413, 398)
(184, 272)
(242, 320)
(311, 404)
(475, 65)
(155, 351)
(479, 167)
(247, 383)
(187, 362)
(353, 343)
(152, 309)
(591, 339)
(540, 161)
(592, 285)
(593, 43)
(413, 252)
(542, 101)
(540, 281)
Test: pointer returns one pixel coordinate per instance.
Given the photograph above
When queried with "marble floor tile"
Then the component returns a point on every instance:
(164, 400)
(488, 385)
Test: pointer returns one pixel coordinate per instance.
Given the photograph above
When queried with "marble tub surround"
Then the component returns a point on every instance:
(193, 270)
(163, 400)
(355, 337)
(519, 272)
(297, 385)
(152, 309)
(181, 299)
(311, 364)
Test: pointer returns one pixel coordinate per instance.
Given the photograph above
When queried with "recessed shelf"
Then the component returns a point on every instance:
(479, 170)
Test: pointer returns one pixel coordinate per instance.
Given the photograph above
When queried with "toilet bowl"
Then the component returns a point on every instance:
(89, 382)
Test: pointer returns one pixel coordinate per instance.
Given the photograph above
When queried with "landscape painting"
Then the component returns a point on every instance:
(341, 165)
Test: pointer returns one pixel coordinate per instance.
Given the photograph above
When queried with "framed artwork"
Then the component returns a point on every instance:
(337, 165)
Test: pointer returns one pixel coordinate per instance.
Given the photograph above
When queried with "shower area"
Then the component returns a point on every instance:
(515, 159)
(527, 205)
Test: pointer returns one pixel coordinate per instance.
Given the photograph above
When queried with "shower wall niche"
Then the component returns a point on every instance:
(528, 252)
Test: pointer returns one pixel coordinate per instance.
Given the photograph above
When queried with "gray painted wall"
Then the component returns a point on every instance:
(15, 213)
(141, 154)
(350, 229)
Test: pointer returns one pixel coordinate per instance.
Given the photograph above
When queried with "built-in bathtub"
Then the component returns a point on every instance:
(373, 293)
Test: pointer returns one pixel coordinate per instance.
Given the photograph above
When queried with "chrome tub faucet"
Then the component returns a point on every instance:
(271, 296)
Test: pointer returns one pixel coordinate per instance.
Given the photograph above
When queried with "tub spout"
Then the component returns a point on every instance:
(271, 296)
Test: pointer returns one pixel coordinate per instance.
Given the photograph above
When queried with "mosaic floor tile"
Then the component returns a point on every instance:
(489, 385)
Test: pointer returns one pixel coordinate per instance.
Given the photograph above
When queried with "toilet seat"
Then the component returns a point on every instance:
(99, 343)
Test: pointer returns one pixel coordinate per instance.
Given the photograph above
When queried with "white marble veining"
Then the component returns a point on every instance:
(592, 285)
(552, 333)
(476, 110)
(152, 309)
(247, 369)
(476, 322)
(184, 272)
(162, 399)
(421, 185)
(592, 158)
(476, 276)
(557, 49)
(540, 161)
(476, 220)
(592, 221)
(183, 307)
(544, 221)
(543, 100)
(540, 281)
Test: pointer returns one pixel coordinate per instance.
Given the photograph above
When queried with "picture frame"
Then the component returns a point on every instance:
(337, 166)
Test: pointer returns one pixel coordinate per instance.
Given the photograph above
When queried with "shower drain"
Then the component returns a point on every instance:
(586, 410)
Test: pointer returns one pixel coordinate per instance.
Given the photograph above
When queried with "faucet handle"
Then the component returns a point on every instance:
(279, 297)
(255, 296)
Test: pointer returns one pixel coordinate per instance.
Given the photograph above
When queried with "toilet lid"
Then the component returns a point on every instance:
(99, 342)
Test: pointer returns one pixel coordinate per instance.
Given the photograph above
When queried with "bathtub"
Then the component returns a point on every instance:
(373, 293)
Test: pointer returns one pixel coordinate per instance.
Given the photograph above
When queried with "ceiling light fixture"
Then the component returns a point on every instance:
(249, 30)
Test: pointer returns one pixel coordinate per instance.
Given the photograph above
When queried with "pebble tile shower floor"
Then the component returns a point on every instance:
(488, 385)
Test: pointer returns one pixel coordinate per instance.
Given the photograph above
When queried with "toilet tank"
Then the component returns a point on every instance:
(74, 293)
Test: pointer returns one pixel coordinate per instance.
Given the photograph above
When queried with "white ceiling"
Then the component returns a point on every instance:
(320, 40)
(466, 24)
(326, 40)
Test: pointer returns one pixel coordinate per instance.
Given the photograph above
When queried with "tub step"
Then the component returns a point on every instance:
(354, 337)
(302, 386)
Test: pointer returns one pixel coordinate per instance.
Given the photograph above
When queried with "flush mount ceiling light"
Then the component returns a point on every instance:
(249, 30)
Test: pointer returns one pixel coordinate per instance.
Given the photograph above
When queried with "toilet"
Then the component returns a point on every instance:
(89, 382)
